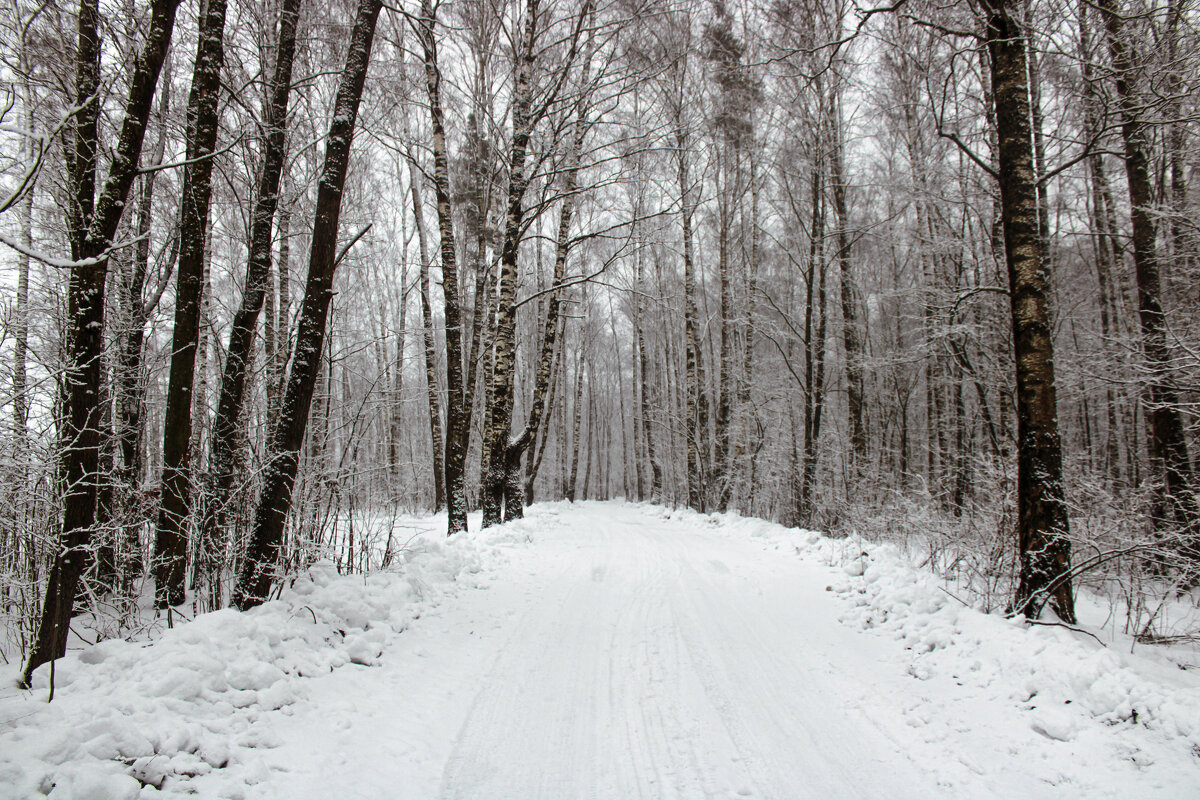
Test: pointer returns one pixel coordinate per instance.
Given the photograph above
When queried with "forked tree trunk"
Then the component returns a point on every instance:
(514, 496)
(240, 351)
(287, 435)
(92, 224)
(501, 462)
(503, 378)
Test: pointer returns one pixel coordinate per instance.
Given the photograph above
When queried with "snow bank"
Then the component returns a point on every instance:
(139, 719)
(1067, 680)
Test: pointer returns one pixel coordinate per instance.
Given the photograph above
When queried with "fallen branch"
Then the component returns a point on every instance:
(1048, 623)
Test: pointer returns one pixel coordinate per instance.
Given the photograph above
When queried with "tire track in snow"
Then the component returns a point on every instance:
(802, 730)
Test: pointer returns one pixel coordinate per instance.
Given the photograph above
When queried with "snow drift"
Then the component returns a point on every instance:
(1067, 679)
(132, 718)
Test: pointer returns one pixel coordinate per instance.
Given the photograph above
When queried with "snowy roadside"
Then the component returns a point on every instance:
(1078, 694)
(131, 718)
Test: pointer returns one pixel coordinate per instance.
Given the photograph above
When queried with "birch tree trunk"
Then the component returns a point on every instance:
(514, 495)
(430, 352)
(1043, 545)
(500, 395)
(458, 416)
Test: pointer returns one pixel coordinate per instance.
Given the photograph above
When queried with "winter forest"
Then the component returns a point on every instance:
(279, 278)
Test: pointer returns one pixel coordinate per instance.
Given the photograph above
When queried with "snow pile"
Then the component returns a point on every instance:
(131, 719)
(1046, 667)
(1066, 678)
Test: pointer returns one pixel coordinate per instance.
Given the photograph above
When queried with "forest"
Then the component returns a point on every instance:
(276, 273)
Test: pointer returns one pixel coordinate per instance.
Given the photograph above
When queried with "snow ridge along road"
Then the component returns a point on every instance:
(609, 651)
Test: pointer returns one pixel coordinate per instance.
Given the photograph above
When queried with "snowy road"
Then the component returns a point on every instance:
(662, 662)
(623, 655)
(606, 651)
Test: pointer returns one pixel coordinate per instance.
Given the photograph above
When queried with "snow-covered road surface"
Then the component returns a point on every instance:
(626, 655)
(609, 651)
(660, 662)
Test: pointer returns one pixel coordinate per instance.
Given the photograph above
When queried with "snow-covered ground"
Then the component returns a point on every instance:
(610, 651)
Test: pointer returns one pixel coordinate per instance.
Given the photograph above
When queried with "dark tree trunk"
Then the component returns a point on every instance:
(92, 225)
(814, 351)
(592, 450)
(129, 384)
(578, 419)
(395, 415)
(22, 450)
(647, 397)
(287, 435)
(557, 377)
(100, 570)
(1105, 244)
(1182, 238)
(1043, 527)
(240, 351)
(751, 437)
(721, 471)
(170, 546)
